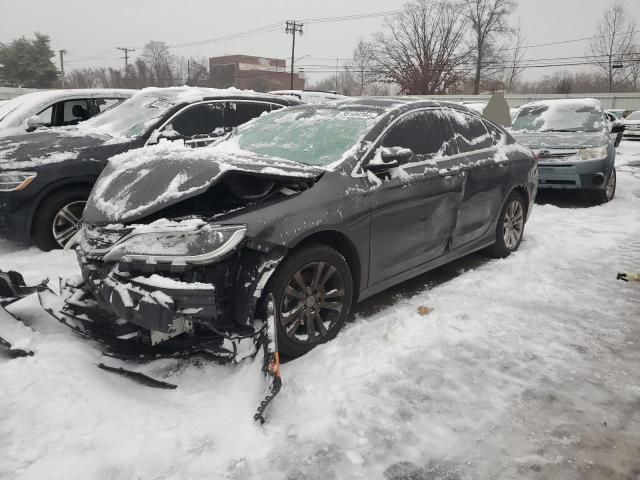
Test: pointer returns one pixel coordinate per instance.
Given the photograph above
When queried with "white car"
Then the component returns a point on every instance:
(311, 96)
(632, 125)
(54, 108)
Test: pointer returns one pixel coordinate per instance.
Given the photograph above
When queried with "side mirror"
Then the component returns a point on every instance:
(34, 122)
(617, 128)
(388, 158)
(167, 134)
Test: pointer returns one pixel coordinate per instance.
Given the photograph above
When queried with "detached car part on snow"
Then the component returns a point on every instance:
(318, 206)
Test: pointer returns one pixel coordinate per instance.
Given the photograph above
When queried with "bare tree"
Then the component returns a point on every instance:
(362, 68)
(157, 57)
(488, 20)
(424, 51)
(634, 69)
(514, 60)
(612, 48)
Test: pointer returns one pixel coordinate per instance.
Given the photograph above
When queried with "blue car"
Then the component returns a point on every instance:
(574, 146)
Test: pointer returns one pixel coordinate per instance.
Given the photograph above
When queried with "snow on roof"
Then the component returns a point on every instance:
(592, 102)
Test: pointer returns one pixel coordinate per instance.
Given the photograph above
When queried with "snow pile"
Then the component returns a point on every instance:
(523, 369)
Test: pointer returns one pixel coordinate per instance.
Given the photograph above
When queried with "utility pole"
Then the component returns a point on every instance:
(62, 54)
(293, 27)
(126, 56)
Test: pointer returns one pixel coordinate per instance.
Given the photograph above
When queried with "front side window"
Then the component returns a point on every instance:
(74, 111)
(248, 110)
(426, 133)
(559, 117)
(203, 119)
(46, 116)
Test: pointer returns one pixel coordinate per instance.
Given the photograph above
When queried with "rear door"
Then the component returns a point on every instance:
(487, 176)
(414, 209)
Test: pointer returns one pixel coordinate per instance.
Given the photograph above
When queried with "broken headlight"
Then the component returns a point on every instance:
(596, 153)
(15, 181)
(202, 245)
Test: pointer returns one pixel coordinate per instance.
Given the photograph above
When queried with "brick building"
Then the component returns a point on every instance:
(254, 73)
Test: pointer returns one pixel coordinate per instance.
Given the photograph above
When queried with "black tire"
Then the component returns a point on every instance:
(600, 197)
(506, 244)
(295, 306)
(48, 212)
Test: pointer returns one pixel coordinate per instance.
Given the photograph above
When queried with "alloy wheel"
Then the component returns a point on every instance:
(67, 222)
(513, 225)
(611, 185)
(312, 302)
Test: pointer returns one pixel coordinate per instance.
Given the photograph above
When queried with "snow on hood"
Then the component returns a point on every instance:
(36, 149)
(140, 182)
(560, 139)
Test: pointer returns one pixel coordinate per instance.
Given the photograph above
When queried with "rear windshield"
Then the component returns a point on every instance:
(634, 116)
(559, 118)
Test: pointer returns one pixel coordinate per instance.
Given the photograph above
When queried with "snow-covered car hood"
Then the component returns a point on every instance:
(141, 182)
(32, 150)
(560, 139)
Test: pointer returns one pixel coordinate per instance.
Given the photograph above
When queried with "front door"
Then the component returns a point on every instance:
(414, 207)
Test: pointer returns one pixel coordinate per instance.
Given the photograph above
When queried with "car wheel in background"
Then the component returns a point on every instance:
(313, 291)
(510, 228)
(58, 218)
(603, 196)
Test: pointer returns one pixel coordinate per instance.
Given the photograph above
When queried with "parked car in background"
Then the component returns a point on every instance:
(619, 113)
(620, 128)
(573, 141)
(320, 205)
(56, 108)
(46, 176)
(632, 125)
(311, 96)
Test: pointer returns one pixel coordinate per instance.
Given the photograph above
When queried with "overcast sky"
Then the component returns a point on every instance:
(91, 30)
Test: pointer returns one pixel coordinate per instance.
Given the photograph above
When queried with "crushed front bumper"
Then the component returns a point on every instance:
(154, 307)
(574, 174)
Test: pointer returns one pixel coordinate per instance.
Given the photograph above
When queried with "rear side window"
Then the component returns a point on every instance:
(426, 133)
(471, 133)
(497, 135)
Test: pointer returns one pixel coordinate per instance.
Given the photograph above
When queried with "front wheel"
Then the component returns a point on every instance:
(510, 228)
(58, 218)
(313, 291)
(604, 196)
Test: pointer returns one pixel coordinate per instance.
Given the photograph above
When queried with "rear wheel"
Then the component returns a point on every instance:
(59, 218)
(510, 228)
(313, 291)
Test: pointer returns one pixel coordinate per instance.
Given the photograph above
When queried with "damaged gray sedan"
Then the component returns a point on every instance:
(317, 207)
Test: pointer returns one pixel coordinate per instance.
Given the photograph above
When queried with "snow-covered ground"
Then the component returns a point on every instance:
(528, 367)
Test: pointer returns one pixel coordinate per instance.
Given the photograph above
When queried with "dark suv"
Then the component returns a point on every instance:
(321, 205)
(46, 176)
